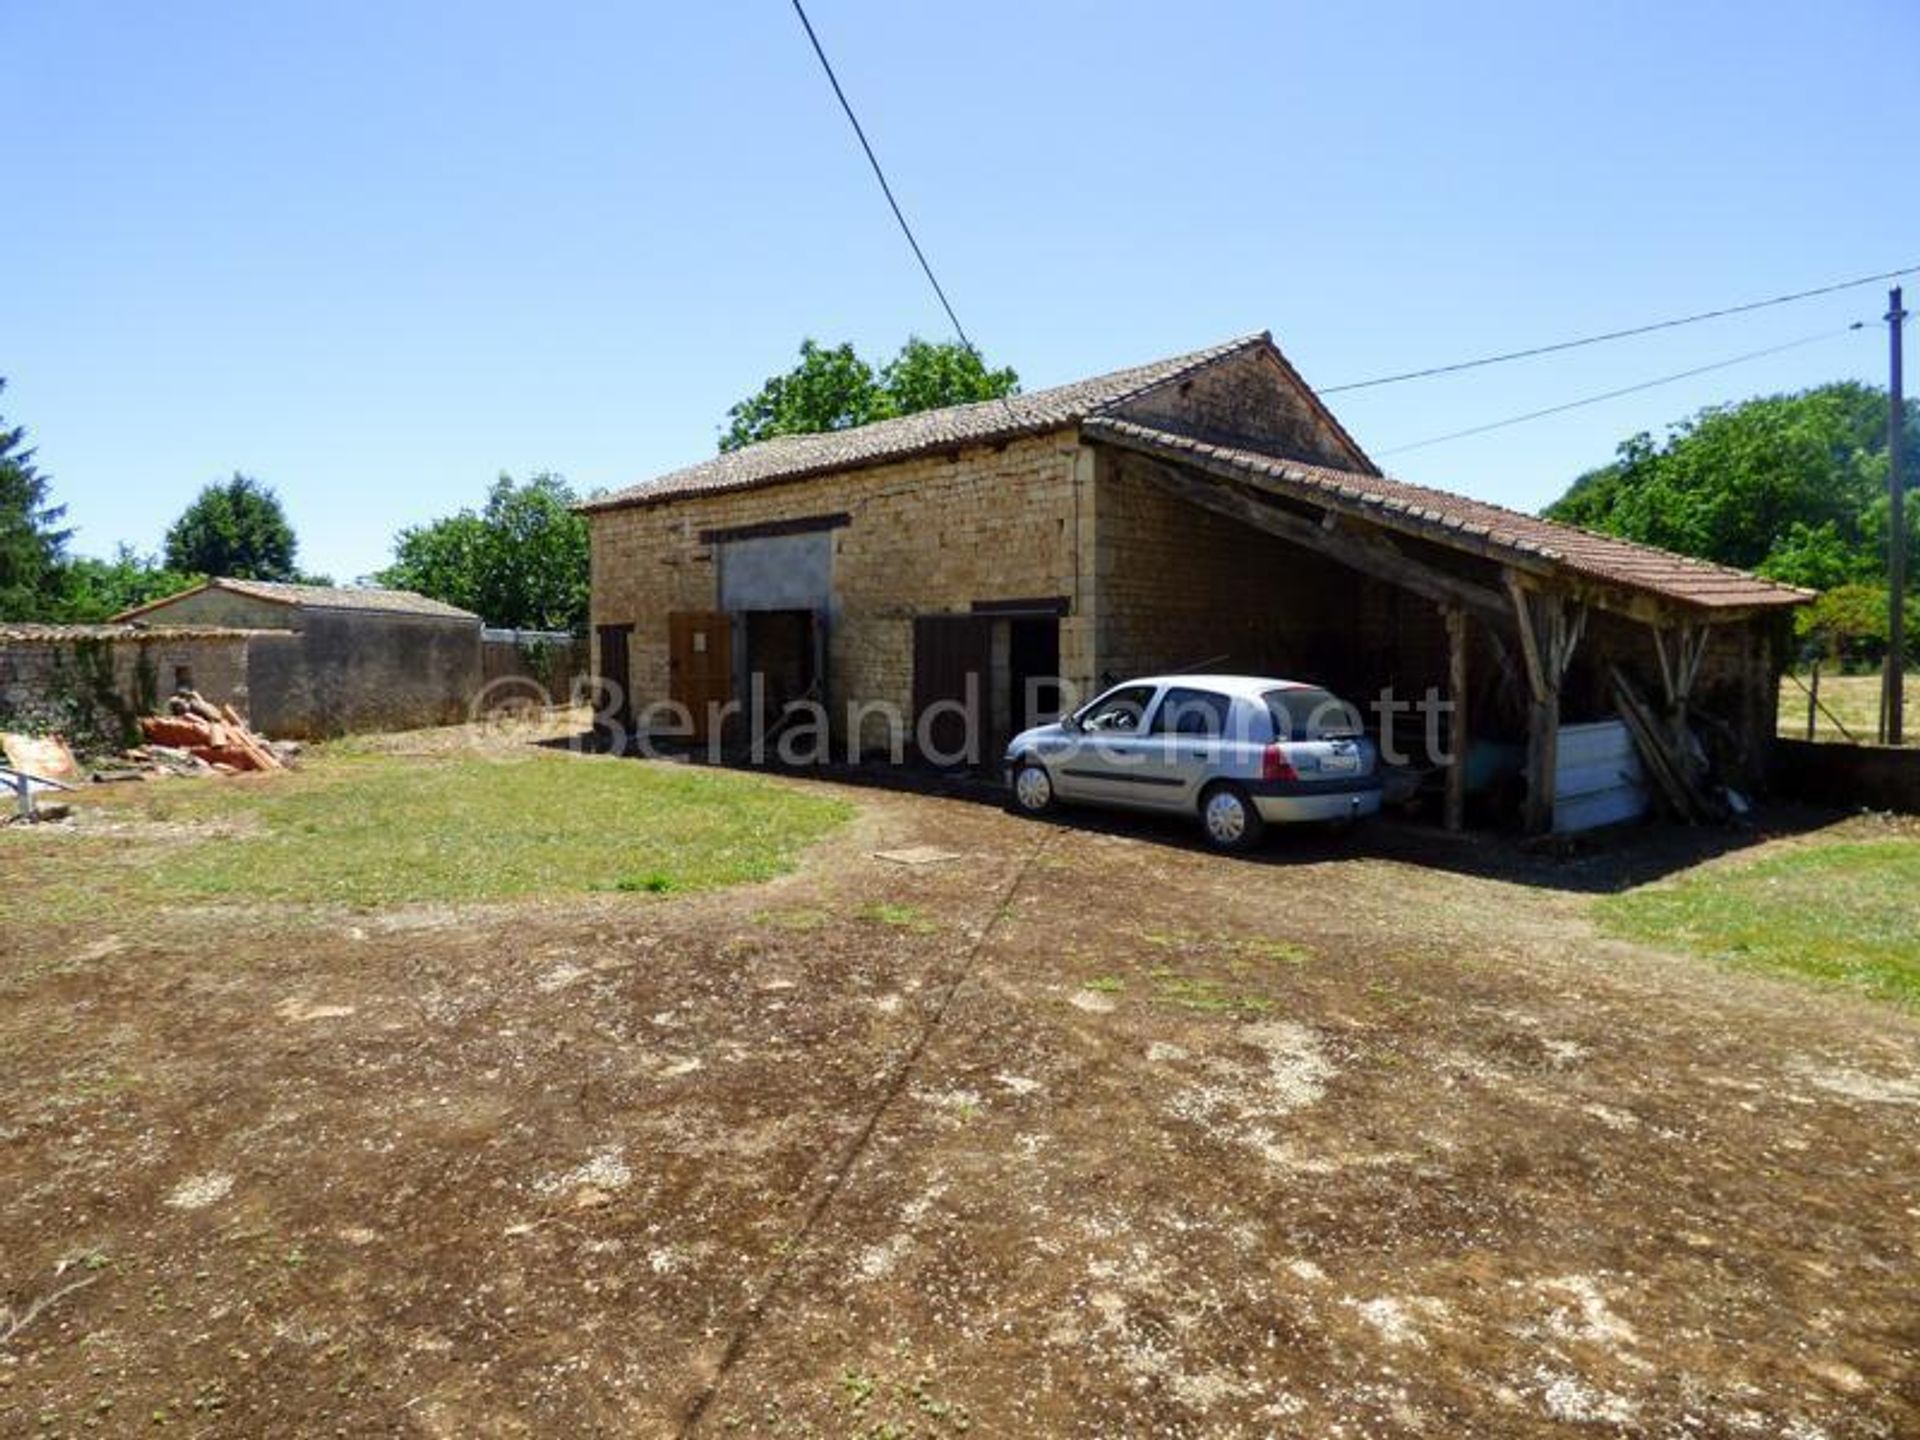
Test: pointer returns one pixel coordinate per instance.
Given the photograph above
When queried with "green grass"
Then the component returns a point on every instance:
(1279, 951)
(1204, 995)
(1846, 913)
(1853, 699)
(366, 830)
(900, 917)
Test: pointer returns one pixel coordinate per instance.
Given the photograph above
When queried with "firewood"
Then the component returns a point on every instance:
(198, 704)
(247, 740)
(183, 731)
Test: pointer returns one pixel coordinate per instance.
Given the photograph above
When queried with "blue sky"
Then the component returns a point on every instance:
(374, 254)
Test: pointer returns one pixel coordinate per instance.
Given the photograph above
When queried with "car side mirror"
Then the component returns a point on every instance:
(1070, 721)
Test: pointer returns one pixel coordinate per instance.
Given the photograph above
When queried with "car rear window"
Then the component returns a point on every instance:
(1310, 713)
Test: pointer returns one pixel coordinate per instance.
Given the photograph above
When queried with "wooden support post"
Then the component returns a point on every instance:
(1457, 731)
(1548, 636)
(1693, 648)
(1543, 759)
(1813, 698)
(1678, 672)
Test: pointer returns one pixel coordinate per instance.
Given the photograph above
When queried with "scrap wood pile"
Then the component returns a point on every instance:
(194, 737)
(1682, 772)
(198, 736)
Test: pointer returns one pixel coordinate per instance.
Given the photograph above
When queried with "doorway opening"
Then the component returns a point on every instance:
(783, 662)
(1033, 672)
(991, 673)
(613, 706)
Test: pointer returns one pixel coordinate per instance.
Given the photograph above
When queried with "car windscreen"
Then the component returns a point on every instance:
(1310, 713)
(1120, 709)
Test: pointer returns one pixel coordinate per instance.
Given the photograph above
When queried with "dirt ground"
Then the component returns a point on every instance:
(1077, 1132)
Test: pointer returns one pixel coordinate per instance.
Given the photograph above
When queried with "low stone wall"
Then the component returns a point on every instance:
(342, 672)
(91, 683)
(1879, 777)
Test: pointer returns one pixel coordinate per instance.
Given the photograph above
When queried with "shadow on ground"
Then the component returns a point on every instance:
(1601, 862)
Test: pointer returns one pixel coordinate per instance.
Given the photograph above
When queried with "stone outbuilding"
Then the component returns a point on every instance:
(1202, 512)
(365, 658)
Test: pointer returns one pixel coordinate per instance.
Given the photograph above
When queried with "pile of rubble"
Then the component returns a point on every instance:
(194, 737)
(198, 737)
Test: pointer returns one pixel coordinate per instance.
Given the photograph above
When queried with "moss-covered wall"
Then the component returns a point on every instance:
(92, 690)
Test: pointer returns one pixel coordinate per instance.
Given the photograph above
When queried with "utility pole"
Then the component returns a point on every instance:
(1894, 689)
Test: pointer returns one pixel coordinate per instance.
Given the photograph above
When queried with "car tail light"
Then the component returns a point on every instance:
(1274, 765)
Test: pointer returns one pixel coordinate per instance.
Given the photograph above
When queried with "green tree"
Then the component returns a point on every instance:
(1789, 484)
(31, 544)
(834, 389)
(1849, 623)
(520, 561)
(1817, 557)
(236, 529)
(92, 590)
(925, 376)
(830, 389)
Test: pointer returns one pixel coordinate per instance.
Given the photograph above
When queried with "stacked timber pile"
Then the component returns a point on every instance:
(198, 737)
(1682, 773)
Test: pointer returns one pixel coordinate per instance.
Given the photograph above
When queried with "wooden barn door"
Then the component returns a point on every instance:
(700, 663)
(952, 661)
(613, 705)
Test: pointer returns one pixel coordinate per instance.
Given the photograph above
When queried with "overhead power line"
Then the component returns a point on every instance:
(881, 176)
(1624, 390)
(1673, 324)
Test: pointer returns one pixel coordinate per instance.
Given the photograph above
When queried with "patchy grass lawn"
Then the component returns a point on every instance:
(364, 830)
(1855, 699)
(1847, 913)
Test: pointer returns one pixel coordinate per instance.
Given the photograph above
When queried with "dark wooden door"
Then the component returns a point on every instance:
(700, 664)
(613, 705)
(952, 661)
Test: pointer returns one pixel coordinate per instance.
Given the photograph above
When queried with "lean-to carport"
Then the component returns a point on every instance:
(1563, 613)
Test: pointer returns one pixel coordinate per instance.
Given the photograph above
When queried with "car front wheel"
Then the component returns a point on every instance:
(1032, 791)
(1229, 820)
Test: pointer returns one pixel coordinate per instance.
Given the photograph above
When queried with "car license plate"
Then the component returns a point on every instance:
(1340, 762)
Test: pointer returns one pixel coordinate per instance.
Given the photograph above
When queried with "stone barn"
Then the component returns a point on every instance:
(1202, 512)
(366, 659)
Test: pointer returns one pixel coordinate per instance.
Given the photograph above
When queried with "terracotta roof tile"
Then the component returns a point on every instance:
(319, 597)
(791, 457)
(23, 632)
(1444, 516)
(347, 597)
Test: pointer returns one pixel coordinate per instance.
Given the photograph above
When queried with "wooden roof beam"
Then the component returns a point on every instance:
(1376, 557)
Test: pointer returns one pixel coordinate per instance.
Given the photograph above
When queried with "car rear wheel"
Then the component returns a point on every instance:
(1032, 791)
(1229, 820)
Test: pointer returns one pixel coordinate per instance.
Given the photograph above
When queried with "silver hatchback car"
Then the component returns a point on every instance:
(1237, 752)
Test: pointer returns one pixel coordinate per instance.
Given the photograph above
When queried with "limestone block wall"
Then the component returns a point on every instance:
(1181, 586)
(1247, 399)
(91, 687)
(930, 535)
